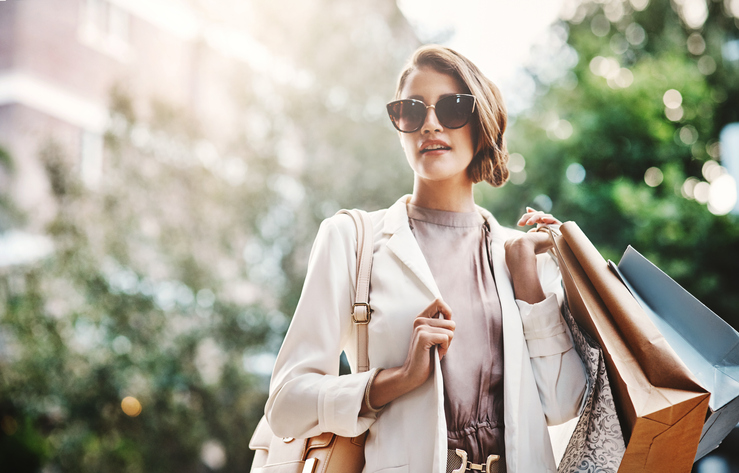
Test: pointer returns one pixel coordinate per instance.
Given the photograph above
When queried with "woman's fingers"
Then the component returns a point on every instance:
(429, 337)
(433, 327)
(542, 241)
(437, 309)
(441, 341)
(428, 322)
(533, 217)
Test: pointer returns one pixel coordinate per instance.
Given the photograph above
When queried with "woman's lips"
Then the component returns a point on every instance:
(434, 147)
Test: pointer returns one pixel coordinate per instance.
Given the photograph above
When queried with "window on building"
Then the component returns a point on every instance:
(91, 158)
(106, 28)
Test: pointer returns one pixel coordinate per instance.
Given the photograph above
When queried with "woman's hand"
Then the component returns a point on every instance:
(431, 328)
(520, 255)
(540, 240)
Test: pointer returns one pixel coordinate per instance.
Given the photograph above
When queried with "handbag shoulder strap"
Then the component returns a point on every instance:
(361, 309)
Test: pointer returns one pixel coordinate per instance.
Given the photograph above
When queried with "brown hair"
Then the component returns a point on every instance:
(490, 162)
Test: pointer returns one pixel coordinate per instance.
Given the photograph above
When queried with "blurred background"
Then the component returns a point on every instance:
(165, 164)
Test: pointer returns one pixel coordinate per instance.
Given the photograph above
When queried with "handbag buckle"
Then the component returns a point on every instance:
(463, 455)
(365, 317)
(488, 467)
(309, 466)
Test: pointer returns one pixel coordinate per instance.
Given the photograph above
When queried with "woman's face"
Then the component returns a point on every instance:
(434, 152)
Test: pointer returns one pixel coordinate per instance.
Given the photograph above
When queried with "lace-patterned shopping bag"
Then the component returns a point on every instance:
(597, 444)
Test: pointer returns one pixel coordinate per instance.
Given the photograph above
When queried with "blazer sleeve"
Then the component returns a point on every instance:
(307, 396)
(558, 369)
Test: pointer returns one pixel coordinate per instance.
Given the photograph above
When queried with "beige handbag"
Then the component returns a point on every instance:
(328, 452)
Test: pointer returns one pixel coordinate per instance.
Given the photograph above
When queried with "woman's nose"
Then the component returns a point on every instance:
(431, 123)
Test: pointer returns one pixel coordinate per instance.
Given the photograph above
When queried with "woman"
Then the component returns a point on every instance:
(467, 346)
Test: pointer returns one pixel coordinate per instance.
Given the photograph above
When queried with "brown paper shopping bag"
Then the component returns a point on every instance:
(661, 406)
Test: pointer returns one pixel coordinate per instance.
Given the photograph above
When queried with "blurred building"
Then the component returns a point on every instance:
(60, 61)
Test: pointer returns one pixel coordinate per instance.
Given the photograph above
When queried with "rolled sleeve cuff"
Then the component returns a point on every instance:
(543, 327)
(339, 402)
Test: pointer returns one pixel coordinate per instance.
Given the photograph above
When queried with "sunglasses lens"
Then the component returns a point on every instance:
(455, 111)
(407, 115)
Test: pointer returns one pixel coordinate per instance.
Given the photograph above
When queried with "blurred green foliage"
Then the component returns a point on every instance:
(616, 132)
(10, 216)
(173, 280)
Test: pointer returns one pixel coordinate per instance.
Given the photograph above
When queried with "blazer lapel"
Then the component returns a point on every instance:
(514, 344)
(500, 270)
(404, 245)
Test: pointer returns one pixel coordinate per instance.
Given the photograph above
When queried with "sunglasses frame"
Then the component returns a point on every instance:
(391, 104)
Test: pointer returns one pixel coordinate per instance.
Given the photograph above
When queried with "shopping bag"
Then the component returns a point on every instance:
(705, 343)
(661, 405)
(597, 443)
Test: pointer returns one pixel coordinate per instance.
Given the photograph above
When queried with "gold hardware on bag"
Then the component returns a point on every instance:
(354, 310)
(469, 466)
(310, 465)
(492, 460)
(463, 455)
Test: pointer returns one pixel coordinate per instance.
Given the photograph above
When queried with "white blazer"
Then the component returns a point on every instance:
(544, 380)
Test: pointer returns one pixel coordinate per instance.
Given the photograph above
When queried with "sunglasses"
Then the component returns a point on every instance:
(454, 111)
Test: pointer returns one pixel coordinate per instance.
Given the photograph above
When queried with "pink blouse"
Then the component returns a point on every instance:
(455, 246)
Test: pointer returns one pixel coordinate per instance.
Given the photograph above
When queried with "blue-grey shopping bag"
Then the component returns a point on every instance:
(703, 341)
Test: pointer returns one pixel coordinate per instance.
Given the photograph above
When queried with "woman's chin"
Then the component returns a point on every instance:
(442, 175)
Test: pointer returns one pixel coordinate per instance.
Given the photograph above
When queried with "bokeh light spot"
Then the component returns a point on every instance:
(696, 44)
(614, 11)
(706, 65)
(624, 78)
(672, 98)
(205, 298)
(688, 188)
(543, 202)
(600, 26)
(560, 130)
(688, 134)
(713, 463)
(516, 162)
(213, 454)
(712, 170)
(674, 114)
(619, 44)
(131, 406)
(518, 178)
(121, 345)
(722, 195)
(653, 177)
(259, 363)
(639, 5)
(575, 173)
(597, 65)
(713, 149)
(701, 192)
(693, 12)
(733, 6)
(635, 34)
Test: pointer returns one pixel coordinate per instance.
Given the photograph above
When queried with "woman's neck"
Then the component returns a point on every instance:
(449, 196)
